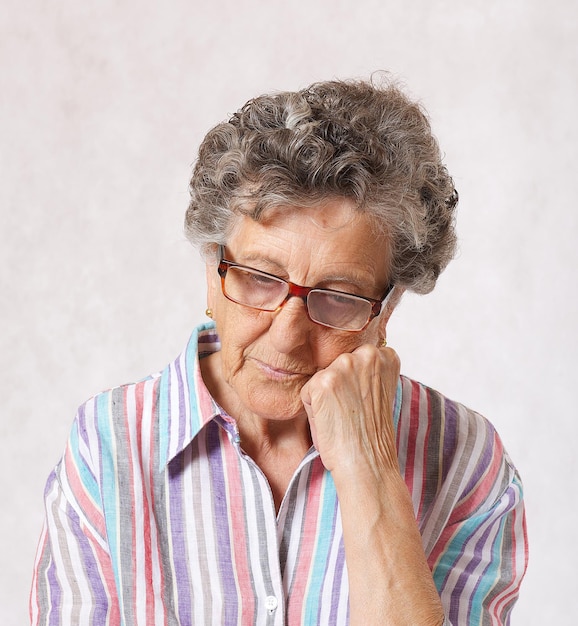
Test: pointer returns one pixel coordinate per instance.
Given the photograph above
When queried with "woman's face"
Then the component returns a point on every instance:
(267, 357)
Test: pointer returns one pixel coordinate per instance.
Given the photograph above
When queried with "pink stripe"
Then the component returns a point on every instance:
(146, 539)
(130, 493)
(152, 457)
(306, 547)
(82, 496)
(237, 530)
(413, 428)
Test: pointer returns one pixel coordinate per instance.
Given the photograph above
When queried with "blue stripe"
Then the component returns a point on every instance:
(322, 549)
(397, 404)
(109, 482)
(87, 478)
(164, 417)
(190, 380)
(455, 550)
(493, 570)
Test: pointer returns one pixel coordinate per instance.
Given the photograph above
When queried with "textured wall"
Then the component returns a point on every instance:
(102, 107)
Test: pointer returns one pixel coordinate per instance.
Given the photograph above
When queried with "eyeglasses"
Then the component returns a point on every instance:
(267, 292)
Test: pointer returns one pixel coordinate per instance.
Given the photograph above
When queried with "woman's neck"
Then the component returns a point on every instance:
(276, 446)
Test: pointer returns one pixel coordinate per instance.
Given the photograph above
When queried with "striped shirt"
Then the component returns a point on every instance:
(155, 515)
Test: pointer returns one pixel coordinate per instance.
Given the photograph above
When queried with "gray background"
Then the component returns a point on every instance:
(102, 107)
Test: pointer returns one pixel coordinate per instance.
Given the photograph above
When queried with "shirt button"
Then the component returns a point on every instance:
(271, 603)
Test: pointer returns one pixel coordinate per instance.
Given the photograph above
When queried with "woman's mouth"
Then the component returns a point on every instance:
(279, 373)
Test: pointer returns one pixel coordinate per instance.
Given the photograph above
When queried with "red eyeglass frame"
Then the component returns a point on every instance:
(298, 291)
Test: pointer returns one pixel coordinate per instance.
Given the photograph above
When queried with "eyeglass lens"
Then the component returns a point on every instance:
(262, 291)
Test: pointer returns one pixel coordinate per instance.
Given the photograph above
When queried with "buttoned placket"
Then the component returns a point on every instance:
(271, 611)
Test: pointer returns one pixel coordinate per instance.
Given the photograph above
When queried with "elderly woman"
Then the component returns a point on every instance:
(280, 471)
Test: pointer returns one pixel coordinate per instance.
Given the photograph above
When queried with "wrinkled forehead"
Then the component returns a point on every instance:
(330, 214)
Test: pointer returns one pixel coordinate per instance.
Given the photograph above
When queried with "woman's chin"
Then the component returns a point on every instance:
(270, 402)
(277, 411)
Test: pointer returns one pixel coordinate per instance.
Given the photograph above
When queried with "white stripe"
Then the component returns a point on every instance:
(190, 522)
(329, 580)
(146, 430)
(225, 438)
(212, 555)
(295, 537)
(135, 490)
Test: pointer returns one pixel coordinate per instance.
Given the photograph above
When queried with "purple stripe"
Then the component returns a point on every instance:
(55, 595)
(450, 435)
(178, 534)
(484, 461)
(208, 338)
(90, 564)
(182, 403)
(221, 517)
(82, 425)
(51, 576)
(337, 581)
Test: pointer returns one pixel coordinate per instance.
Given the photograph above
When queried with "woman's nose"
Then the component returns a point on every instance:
(290, 326)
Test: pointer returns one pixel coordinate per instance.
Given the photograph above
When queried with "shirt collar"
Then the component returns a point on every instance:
(185, 404)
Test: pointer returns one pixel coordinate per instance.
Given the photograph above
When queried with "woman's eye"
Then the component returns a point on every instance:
(337, 300)
(263, 280)
(260, 281)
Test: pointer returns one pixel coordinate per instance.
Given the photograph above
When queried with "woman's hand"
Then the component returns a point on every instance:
(350, 406)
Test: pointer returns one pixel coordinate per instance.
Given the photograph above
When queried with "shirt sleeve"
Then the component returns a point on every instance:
(482, 556)
(73, 580)
(469, 505)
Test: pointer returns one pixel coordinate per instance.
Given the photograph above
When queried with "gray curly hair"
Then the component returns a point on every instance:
(352, 139)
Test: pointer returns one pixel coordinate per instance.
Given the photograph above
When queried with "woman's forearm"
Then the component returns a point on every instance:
(390, 582)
